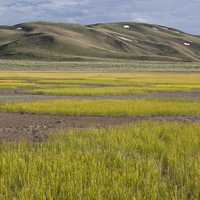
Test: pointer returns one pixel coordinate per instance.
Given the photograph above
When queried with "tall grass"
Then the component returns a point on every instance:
(143, 161)
(107, 107)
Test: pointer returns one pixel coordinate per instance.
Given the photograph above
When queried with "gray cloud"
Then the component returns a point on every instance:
(182, 14)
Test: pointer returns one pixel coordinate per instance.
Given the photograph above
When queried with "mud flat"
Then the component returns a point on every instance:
(36, 128)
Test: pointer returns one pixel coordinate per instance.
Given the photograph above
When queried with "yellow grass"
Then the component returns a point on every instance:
(142, 161)
(62, 83)
(107, 107)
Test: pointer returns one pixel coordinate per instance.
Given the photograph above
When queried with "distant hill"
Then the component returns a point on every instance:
(74, 42)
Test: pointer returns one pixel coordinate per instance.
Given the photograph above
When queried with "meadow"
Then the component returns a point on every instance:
(107, 107)
(99, 65)
(148, 160)
(99, 84)
(138, 160)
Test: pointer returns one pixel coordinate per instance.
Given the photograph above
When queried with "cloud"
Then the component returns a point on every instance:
(182, 14)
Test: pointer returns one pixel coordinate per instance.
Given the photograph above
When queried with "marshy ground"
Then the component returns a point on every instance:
(37, 127)
(100, 135)
(26, 99)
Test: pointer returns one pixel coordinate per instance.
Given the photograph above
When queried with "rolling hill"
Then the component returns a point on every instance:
(72, 42)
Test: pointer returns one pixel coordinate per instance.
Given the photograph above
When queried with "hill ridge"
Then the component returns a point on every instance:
(122, 40)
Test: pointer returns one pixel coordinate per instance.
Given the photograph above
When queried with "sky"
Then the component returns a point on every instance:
(181, 14)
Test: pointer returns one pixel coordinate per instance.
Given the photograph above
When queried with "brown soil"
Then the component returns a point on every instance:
(36, 128)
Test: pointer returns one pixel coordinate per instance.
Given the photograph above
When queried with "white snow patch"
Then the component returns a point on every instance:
(19, 28)
(164, 28)
(187, 43)
(155, 29)
(126, 26)
(125, 39)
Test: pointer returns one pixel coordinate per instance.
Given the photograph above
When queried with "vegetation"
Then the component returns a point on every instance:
(144, 160)
(99, 84)
(148, 160)
(100, 65)
(73, 42)
(108, 107)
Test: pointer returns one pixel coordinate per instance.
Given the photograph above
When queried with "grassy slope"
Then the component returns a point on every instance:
(53, 41)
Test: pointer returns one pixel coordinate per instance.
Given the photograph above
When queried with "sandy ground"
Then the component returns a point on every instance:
(36, 128)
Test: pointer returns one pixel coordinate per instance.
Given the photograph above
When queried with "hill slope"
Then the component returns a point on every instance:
(54, 41)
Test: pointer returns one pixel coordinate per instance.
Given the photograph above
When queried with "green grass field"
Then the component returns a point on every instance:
(100, 65)
(143, 161)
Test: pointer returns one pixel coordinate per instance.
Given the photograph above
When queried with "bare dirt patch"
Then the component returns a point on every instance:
(16, 126)
(36, 128)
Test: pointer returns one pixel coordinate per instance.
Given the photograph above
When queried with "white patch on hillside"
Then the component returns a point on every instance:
(125, 39)
(187, 44)
(19, 28)
(126, 26)
(155, 29)
(164, 28)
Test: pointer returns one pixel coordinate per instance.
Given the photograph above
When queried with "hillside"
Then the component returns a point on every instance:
(63, 42)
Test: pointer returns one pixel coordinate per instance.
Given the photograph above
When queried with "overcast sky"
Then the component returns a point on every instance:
(182, 14)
